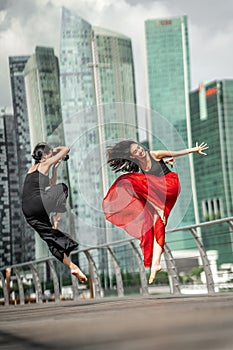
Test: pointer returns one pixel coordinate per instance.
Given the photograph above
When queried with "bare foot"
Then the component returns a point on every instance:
(55, 221)
(153, 271)
(79, 275)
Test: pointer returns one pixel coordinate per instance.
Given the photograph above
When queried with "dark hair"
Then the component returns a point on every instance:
(39, 150)
(119, 157)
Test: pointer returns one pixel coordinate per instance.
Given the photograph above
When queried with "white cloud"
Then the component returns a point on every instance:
(42, 27)
(211, 55)
(25, 24)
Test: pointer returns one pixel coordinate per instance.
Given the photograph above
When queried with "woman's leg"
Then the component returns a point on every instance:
(160, 213)
(155, 266)
(55, 201)
(74, 269)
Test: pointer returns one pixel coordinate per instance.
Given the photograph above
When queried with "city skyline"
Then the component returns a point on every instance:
(99, 37)
(207, 34)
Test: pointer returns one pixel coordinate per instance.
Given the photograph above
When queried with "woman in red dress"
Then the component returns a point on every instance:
(141, 200)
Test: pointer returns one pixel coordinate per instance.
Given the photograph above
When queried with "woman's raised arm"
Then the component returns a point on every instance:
(164, 154)
(58, 153)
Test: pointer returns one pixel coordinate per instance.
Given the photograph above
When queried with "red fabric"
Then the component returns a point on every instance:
(129, 204)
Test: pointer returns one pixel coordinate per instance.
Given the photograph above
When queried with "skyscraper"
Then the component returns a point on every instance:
(16, 242)
(42, 87)
(168, 75)
(5, 228)
(98, 108)
(41, 76)
(21, 156)
(168, 68)
(212, 120)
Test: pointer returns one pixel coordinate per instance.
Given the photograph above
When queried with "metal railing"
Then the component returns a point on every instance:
(35, 277)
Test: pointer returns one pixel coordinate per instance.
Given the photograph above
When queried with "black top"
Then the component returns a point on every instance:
(34, 194)
(158, 168)
(35, 184)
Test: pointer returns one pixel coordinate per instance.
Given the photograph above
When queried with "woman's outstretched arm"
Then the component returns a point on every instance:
(164, 154)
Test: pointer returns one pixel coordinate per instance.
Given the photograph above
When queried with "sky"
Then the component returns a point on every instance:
(25, 24)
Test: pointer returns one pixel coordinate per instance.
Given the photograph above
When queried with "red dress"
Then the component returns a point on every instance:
(130, 203)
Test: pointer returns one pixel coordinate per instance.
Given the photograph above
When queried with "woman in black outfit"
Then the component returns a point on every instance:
(42, 196)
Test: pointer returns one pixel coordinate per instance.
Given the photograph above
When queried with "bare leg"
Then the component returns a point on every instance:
(155, 266)
(159, 212)
(56, 219)
(162, 216)
(74, 269)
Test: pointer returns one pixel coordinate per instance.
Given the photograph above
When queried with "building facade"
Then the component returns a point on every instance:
(168, 77)
(21, 156)
(42, 86)
(5, 227)
(98, 108)
(211, 111)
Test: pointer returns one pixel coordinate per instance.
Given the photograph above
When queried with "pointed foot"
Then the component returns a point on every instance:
(79, 275)
(153, 271)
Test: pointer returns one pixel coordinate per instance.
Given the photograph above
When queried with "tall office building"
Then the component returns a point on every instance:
(42, 87)
(41, 76)
(5, 228)
(98, 108)
(168, 75)
(211, 112)
(16, 244)
(21, 156)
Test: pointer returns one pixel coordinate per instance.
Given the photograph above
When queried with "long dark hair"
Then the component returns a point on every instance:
(119, 157)
(39, 150)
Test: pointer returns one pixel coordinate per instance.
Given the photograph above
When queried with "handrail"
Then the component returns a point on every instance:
(169, 260)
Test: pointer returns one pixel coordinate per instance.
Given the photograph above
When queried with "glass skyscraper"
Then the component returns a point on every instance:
(5, 227)
(16, 241)
(211, 111)
(41, 76)
(99, 109)
(21, 156)
(168, 76)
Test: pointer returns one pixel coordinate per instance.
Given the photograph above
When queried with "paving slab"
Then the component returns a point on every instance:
(203, 322)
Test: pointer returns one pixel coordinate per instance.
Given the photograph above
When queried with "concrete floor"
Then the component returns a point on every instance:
(130, 323)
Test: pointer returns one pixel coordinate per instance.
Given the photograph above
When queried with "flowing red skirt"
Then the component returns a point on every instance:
(131, 203)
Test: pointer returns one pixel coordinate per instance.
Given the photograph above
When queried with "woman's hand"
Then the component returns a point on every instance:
(170, 161)
(199, 149)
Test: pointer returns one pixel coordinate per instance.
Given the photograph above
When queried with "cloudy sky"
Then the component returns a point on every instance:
(25, 24)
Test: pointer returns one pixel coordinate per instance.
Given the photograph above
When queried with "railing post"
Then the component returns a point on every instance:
(230, 223)
(5, 291)
(94, 273)
(37, 283)
(20, 285)
(205, 261)
(142, 271)
(75, 287)
(119, 282)
(55, 280)
(172, 271)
